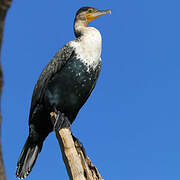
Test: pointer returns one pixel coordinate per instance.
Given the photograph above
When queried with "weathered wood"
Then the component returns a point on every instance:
(4, 6)
(78, 166)
(70, 155)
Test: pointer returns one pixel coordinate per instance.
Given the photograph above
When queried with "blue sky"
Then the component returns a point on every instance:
(130, 124)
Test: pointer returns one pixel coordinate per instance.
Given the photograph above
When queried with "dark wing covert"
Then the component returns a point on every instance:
(55, 65)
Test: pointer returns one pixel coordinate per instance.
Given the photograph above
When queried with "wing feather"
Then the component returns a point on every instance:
(55, 65)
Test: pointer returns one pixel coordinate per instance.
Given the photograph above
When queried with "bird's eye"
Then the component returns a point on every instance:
(90, 11)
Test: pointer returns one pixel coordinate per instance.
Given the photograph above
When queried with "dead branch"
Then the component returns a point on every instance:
(78, 166)
(4, 6)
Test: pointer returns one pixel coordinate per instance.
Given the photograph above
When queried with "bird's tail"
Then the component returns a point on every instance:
(28, 157)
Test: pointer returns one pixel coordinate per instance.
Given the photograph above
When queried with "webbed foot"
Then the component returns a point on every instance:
(59, 120)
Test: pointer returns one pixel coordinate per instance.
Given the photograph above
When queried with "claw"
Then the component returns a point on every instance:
(59, 120)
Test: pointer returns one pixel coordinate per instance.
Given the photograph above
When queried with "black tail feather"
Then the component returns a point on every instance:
(28, 158)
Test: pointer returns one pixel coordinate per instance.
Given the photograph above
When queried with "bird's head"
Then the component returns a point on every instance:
(88, 14)
(85, 15)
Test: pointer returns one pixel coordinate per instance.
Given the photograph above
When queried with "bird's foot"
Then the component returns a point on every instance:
(79, 145)
(59, 120)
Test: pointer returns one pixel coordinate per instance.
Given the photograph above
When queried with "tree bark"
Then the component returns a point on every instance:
(79, 166)
(4, 6)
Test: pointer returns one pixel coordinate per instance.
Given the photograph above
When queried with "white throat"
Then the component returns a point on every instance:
(88, 46)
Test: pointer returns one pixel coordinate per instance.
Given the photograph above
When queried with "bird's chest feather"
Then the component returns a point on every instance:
(72, 85)
(88, 47)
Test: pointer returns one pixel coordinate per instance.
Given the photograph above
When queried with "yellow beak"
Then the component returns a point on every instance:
(91, 16)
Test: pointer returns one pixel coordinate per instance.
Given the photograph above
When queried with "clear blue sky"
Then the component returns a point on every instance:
(130, 125)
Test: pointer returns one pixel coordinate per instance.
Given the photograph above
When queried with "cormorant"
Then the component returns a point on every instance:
(63, 87)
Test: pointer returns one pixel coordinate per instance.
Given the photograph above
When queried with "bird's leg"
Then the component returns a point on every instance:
(59, 120)
(79, 145)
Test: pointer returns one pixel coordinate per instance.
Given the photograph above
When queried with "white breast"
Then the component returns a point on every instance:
(88, 48)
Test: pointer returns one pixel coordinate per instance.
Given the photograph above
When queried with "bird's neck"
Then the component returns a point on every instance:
(87, 44)
(80, 28)
(88, 36)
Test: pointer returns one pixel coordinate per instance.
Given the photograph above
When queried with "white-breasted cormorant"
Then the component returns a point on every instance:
(63, 87)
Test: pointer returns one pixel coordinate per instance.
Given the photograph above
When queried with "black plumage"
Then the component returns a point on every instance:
(63, 87)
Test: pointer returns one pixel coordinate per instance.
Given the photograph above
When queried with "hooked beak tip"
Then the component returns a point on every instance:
(108, 11)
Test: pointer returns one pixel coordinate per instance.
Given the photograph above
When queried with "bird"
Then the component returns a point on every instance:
(63, 86)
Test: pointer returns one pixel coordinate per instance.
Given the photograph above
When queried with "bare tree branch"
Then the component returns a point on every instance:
(78, 166)
(4, 6)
